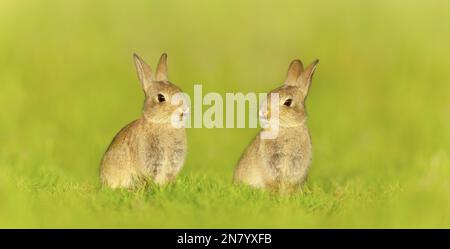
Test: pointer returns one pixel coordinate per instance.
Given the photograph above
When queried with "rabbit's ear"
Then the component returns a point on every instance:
(306, 77)
(294, 72)
(144, 71)
(161, 70)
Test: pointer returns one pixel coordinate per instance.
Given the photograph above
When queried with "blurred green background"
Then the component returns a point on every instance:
(378, 110)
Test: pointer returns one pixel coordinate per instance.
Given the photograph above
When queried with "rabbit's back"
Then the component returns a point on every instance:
(117, 165)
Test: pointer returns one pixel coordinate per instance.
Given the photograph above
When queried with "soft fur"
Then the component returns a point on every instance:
(281, 164)
(150, 148)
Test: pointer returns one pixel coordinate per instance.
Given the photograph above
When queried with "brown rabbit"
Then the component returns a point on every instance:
(152, 147)
(281, 164)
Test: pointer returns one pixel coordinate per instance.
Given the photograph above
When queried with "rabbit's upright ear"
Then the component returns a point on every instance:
(294, 72)
(306, 77)
(144, 71)
(161, 70)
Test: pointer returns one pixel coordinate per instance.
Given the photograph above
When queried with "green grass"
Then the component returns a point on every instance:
(378, 110)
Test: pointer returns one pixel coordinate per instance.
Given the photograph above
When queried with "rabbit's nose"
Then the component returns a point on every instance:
(185, 110)
(264, 113)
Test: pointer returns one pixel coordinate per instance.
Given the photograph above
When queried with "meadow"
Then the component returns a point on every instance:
(379, 110)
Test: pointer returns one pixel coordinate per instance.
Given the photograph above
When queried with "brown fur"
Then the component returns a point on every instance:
(150, 148)
(281, 164)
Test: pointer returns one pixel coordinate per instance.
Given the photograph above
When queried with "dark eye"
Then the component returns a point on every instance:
(288, 102)
(161, 98)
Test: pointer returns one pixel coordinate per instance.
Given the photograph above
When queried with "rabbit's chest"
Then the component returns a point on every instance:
(286, 157)
(162, 153)
(279, 154)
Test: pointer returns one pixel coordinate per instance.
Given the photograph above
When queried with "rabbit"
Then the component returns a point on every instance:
(151, 147)
(281, 164)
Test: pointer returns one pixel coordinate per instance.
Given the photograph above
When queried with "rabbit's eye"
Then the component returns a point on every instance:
(161, 98)
(288, 102)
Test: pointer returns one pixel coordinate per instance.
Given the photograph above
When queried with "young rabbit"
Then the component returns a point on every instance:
(151, 147)
(281, 164)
